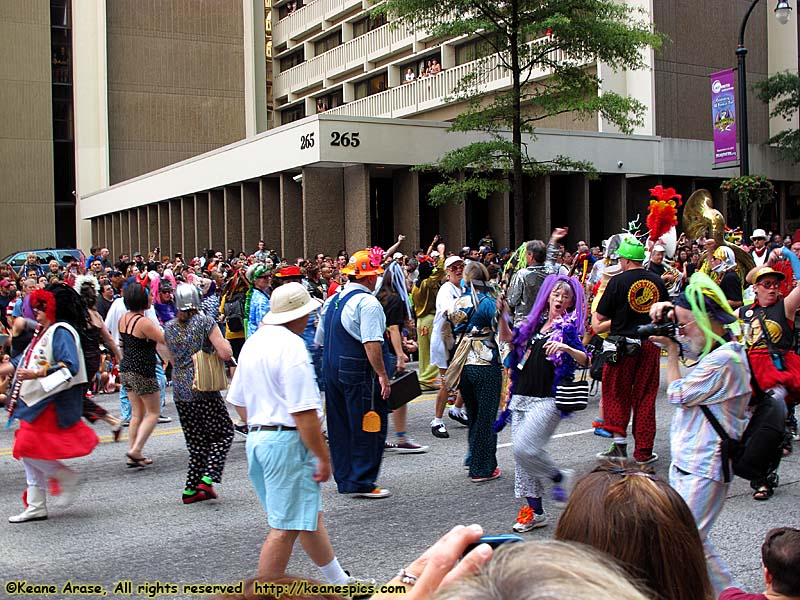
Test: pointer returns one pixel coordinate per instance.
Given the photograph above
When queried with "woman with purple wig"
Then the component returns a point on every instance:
(545, 350)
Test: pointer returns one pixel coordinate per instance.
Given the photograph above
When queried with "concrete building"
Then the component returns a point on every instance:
(172, 149)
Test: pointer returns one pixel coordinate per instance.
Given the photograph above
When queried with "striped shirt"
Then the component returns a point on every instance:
(721, 380)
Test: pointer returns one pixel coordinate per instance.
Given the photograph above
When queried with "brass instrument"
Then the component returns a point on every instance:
(701, 219)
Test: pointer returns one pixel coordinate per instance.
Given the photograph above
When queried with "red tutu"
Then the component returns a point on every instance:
(767, 375)
(45, 440)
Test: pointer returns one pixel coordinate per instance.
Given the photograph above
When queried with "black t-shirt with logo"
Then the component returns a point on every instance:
(628, 298)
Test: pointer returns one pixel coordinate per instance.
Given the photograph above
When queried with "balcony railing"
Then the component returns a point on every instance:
(307, 17)
(372, 46)
(430, 92)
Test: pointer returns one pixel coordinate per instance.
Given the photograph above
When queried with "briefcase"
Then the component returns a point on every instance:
(405, 387)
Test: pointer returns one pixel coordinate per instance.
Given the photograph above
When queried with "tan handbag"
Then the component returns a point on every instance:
(209, 372)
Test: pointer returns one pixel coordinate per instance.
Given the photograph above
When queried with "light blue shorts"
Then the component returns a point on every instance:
(281, 470)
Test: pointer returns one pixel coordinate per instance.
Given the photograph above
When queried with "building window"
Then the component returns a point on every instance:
(473, 50)
(328, 43)
(329, 101)
(290, 7)
(426, 67)
(368, 24)
(291, 60)
(293, 114)
(373, 85)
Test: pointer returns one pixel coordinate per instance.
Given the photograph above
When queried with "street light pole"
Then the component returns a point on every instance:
(782, 12)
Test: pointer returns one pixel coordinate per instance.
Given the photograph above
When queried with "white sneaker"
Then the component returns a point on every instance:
(378, 492)
(527, 520)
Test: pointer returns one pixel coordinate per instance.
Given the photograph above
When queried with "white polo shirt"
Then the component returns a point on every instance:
(274, 378)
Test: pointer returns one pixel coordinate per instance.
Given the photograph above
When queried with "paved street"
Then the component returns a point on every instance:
(131, 525)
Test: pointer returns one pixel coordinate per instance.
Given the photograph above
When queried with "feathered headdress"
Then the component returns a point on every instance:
(663, 211)
(80, 280)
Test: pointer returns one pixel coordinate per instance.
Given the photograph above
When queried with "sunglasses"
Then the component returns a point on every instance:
(769, 284)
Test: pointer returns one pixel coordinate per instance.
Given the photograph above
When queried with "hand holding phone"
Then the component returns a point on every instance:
(495, 541)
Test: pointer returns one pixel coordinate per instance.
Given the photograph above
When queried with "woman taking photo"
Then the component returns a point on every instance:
(545, 350)
(50, 421)
(476, 370)
(139, 337)
(207, 428)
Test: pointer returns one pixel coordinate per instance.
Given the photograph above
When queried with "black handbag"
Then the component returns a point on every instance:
(405, 387)
(572, 396)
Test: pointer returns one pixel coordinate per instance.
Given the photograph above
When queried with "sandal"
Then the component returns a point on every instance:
(763, 493)
(137, 463)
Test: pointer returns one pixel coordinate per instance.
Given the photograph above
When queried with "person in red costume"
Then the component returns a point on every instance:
(47, 398)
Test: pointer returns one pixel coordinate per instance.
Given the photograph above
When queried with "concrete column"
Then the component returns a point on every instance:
(116, 232)
(201, 225)
(216, 216)
(133, 220)
(144, 228)
(270, 212)
(540, 222)
(614, 206)
(453, 225)
(579, 192)
(125, 227)
(163, 241)
(233, 217)
(102, 237)
(291, 216)
(153, 227)
(188, 238)
(356, 209)
(406, 207)
(175, 229)
(500, 219)
(251, 215)
(324, 224)
(96, 232)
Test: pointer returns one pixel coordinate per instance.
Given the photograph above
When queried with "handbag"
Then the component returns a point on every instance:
(405, 387)
(572, 396)
(209, 372)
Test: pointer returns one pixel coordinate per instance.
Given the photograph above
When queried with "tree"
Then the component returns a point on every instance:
(784, 90)
(526, 38)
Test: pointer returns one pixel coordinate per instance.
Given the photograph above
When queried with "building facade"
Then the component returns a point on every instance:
(169, 96)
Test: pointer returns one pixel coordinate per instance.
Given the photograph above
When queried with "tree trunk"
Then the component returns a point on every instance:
(516, 132)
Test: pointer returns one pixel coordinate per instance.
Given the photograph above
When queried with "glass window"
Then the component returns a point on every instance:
(291, 60)
(293, 114)
(290, 7)
(328, 43)
(473, 50)
(368, 24)
(373, 85)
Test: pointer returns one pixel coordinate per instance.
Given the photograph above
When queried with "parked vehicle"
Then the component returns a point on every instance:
(45, 255)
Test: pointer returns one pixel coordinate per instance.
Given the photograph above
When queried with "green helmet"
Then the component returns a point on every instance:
(632, 249)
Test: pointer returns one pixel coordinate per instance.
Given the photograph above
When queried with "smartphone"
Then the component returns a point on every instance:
(495, 541)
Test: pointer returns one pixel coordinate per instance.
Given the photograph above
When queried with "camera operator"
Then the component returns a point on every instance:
(700, 321)
(630, 376)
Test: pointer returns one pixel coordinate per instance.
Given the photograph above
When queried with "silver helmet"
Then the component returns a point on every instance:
(187, 297)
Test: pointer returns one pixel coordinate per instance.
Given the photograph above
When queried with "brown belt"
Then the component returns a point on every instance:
(270, 428)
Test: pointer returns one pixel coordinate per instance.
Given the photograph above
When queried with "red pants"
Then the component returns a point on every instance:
(632, 385)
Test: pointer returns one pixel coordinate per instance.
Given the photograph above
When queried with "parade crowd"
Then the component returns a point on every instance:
(315, 349)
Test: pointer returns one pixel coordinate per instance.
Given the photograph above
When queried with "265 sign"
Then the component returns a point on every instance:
(346, 139)
(307, 141)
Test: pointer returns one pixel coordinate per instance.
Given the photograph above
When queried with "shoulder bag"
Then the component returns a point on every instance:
(572, 396)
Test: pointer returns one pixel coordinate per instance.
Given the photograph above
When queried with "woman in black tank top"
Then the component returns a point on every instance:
(96, 333)
(139, 337)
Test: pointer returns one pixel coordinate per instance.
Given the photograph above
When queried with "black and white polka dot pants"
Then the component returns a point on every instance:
(208, 431)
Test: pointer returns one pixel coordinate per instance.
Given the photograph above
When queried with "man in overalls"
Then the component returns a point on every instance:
(356, 382)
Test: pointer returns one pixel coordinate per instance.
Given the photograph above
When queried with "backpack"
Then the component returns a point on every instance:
(234, 313)
(759, 451)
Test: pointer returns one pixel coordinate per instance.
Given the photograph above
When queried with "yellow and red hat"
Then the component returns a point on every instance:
(765, 271)
(363, 263)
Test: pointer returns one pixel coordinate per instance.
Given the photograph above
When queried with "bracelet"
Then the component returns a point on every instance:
(406, 577)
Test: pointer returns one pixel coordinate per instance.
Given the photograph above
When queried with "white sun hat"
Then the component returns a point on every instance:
(289, 302)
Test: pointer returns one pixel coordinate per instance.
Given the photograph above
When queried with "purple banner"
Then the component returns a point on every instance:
(723, 115)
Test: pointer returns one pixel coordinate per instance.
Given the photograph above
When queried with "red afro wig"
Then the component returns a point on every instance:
(45, 301)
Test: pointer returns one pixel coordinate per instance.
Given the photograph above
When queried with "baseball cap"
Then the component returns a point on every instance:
(452, 260)
(4, 283)
(397, 255)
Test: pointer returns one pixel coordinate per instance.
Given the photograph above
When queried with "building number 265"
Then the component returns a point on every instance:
(306, 141)
(345, 139)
